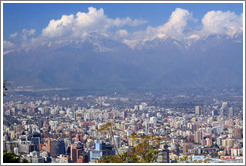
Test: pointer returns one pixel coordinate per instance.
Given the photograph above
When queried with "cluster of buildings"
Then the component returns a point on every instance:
(66, 130)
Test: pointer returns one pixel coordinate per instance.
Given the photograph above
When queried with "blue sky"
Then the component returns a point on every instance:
(17, 16)
(28, 23)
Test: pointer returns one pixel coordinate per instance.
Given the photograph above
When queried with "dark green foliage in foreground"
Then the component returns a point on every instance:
(13, 158)
(5, 83)
(25, 161)
(10, 157)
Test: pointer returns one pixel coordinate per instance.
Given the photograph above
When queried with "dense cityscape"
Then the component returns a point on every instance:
(204, 127)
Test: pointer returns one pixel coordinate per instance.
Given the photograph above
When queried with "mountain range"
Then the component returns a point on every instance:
(101, 63)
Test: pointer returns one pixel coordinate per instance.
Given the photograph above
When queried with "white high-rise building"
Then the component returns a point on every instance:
(197, 110)
(117, 141)
(231, 112)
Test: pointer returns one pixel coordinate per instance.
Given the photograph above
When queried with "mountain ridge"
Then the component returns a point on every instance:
(100, 62)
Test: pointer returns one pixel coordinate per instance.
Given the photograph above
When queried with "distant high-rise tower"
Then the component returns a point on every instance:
(224, 104)
(117, 141)
(223, 108)
(214, 112)
(198, 136)
(198, 111)
(61, 146)
(36, 140)
(222, 111)
(231, 112)
(123, 115)
(100, 150)
(238, 133)
(54, 148)
(73, 153)
(77, 151)
(48, 146)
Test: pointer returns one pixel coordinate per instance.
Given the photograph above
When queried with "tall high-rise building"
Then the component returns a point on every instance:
(61, 146)
(219, 140)
(54, 148)
(197, 110)
(78, 155)
(209, 142)
(238, 133)
(222, 111)
(185, 149)
(231, 112)
(99, 151)
(117, 141)
(224, 104)
(74, 153)
(214, 112)
(35, 139)
(230, 142)
(123, 115)
(198, 136)
(223, 108)
(48, 145)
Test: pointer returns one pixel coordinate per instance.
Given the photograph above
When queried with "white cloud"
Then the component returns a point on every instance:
(6, 52)
(92, 21)
(93, 16)
(79, 26)
(218, 22)
(13, 35)
(131, 43)
(177, 23)
(8, 44)
(194, 36)
(174, 28)
(27, 33)
(161, 35)
(213, 22)
(58, 28)
(8, 47)
(127, 21)
(122, 33)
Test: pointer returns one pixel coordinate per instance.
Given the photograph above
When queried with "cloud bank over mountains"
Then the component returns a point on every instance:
(77, 27)
(93, 21)
(91, 51)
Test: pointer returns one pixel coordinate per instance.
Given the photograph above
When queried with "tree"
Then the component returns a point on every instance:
(214, 154)
(24, 161)
(145, 149)
(11, 158)
(184, 159)
(207, 160)
(5, 83)
(108, 127)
